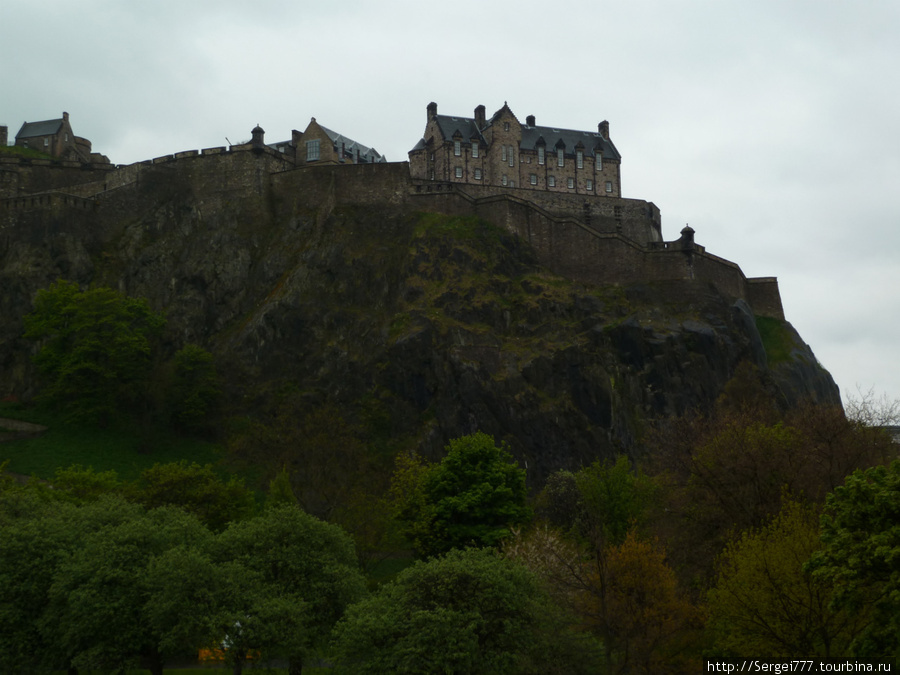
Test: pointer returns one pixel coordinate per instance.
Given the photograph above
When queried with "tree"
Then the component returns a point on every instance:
(37, 538)
(470, 611)
(95, 350)
(302, 559)
(139, 589)
(471, 498)
(195, 390)
(765, 602)
(860, 555)
(197, 489)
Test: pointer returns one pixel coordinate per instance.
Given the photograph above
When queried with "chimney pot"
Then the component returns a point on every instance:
(530, 120)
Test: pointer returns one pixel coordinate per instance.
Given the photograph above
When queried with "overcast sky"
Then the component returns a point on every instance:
(770, 126)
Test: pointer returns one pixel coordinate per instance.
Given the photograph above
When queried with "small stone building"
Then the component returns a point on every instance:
(56, 138)
(319, 145)
(501, 151)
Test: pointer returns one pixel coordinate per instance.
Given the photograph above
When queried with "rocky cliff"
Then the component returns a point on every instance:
(444, 324)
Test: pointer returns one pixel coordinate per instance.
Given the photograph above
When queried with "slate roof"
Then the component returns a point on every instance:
(591, 140)
(464, 125)
(366, 154)
(45, 128)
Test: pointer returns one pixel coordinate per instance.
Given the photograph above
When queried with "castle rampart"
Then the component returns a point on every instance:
(608, 240)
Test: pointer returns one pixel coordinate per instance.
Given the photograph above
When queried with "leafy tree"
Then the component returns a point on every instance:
(299, 558)
(860, 555)
(197, 489)
(95, 350)
(280, 491)
(139, 589)
(80, 485)
(764, 602)
(470, 611)
(37, 538)
(613, 498)
(471, 498)
(195, 389)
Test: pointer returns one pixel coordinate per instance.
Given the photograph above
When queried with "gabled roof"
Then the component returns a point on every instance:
(464, 125)
(370, 155)
(45, 128)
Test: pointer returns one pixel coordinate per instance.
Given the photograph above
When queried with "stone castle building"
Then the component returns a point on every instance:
(55, 138)
(558, 190)
(501, 151)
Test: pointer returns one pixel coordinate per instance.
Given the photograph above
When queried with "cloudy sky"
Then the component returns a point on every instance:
(769, 126)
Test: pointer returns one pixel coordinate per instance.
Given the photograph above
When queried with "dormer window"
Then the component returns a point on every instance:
(560, 157)
(474, 149)
(540, 154)
(457, 148)
(599, 161)
(579, 159)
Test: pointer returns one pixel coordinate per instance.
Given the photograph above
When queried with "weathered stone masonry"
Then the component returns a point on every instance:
(603, 240)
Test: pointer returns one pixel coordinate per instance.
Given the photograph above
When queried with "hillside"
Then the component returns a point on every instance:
(418, 326)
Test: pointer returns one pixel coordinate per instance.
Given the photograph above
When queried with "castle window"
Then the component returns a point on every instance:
(560, 157)
(504, 180)
(579, 159)
(459, 172)
(312, 150)
(477, 174)
(512, 156)
(571, 183)
(46, 142)
(457, 148)
(551, 181)
(431, 175)
(502, 153)
(609, 186)
(540, 154)
(533, 179)
(506, 126)
(474, 149)
(599, 161)
(589, 185)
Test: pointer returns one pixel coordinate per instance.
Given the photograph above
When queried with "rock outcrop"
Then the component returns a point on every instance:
(446, 324)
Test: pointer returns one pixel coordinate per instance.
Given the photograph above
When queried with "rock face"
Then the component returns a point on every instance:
(444, 324)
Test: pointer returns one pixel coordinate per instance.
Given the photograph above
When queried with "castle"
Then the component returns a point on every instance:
(557, 189)
(55, 138)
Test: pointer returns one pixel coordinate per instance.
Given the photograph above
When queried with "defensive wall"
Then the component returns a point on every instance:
(600, 240)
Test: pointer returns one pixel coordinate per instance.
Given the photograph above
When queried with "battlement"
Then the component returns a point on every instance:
(593, 238)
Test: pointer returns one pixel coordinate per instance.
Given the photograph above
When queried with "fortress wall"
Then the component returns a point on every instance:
(635, 218)
(41, 175)
(764, 297)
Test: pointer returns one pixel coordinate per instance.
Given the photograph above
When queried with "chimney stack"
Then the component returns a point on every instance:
(65, 117)
(432, 111)
(4, 136)
(530, 120)
(479, 117)
(603, 128)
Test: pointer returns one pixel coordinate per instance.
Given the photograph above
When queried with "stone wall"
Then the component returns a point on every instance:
(601, 241)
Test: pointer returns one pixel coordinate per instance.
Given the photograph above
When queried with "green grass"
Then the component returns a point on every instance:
(123, 450)
(16, 151)
(778, 339)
